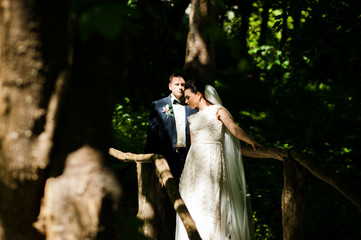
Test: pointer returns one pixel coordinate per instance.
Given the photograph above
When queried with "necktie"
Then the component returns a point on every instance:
(178, 102)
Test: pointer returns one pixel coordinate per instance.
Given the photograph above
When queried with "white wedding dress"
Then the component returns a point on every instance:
(219, 209)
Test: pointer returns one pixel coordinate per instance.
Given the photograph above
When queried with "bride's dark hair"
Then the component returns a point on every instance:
(196, 86)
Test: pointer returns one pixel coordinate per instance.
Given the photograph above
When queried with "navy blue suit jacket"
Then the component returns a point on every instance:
(162, 135)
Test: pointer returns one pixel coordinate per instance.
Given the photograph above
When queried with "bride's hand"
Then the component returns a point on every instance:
(255, 145)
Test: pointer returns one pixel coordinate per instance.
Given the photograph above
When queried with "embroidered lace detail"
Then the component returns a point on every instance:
(202, 177)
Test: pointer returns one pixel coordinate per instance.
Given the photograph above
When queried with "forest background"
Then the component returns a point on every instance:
(288, 72)
(82, 75)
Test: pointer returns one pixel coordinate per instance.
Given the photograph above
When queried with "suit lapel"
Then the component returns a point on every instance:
(172, 126)
(169, 101)
(188, 112)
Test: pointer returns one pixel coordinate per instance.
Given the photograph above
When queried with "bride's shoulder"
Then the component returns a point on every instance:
(217, 107)
(212, 108)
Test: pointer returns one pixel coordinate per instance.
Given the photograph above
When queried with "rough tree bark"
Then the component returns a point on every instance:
(200, 51)
(75, 200)
(26, 77)
(154, 182)
(293, 201)
(151, 201)
(52, 130)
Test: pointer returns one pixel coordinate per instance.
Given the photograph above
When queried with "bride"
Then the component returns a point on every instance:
(213, 184)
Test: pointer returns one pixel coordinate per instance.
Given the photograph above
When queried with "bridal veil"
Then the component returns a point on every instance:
(236, 214)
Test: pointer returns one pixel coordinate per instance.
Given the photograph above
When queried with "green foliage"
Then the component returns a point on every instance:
(300, 95)
(130, 127)
(271, 62)
(263, 231)
(129, 136)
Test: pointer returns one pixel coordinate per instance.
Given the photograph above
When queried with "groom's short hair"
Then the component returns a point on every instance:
(177, 74)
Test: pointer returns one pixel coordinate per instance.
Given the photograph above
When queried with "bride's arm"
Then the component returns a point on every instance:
(238, 132)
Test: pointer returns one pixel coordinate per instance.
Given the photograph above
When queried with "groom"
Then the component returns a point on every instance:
(168, 130)
(168, 135)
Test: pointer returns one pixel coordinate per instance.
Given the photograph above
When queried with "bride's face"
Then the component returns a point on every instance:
(192, 99)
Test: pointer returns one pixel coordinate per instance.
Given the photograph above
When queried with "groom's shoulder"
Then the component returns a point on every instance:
(194, 110)
(161, 101)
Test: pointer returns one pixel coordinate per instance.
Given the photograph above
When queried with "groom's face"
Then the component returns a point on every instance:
(177, 87)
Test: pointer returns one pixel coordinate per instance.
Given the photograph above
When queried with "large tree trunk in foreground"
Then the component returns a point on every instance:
(74, 201)
(55, 128)
(200, 52)
(27, 76)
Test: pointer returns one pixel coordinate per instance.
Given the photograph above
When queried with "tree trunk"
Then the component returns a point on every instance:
(30, 66)
(74, 201)
(81, 197)
(293, 201)
(200, 52)
(264, 24)
(284, 23)
(245, 9)
(55, 127)
(295, 12)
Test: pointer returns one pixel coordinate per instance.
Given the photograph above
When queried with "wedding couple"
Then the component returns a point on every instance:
(200, 142)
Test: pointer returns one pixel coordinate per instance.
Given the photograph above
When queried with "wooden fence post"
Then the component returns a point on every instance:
(293, 201)
(151, 198)
(154, 182)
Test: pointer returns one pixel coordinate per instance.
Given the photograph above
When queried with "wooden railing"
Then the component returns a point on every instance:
(167, 180)
(293, 201)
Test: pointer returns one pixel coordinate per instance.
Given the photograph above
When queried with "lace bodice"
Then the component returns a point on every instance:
(202, 177)
(212, 184)
(205, 127)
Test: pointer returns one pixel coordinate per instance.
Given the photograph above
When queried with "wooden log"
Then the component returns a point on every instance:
(150, 182)
(346, 185)
(293, 201)
(178, 203)
(131, 157)
(151, 201)
(264, 152)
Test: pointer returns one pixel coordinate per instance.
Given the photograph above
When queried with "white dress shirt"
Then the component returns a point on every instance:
(180, 122)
